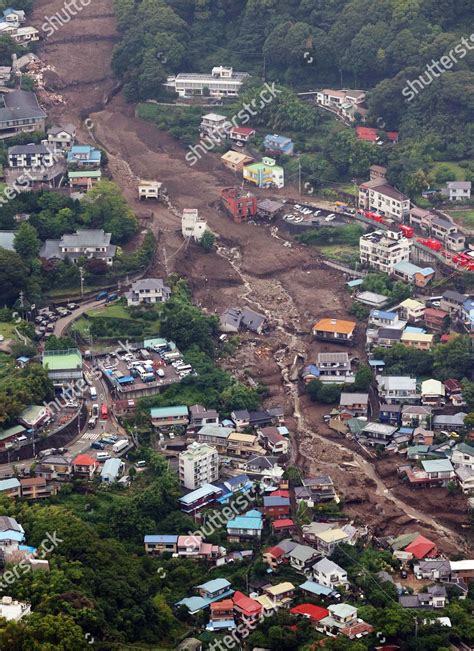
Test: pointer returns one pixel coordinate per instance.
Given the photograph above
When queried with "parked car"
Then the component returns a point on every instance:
(101, 296)
(95, 445)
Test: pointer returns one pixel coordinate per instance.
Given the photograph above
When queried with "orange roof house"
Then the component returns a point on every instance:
(421, 547)
(334, 330)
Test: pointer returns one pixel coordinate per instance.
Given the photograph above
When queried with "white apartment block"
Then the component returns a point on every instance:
(222, 82)
(28, 156)
(214, 124)
(198, 465)
(379, 196)
(192, 225)
(382, 250)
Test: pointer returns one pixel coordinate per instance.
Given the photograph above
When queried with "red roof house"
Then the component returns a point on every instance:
(285, 524)
(246, 607)
(421, 547)
(84, 466)
(314, 613)
(280, 493)
(370, 134)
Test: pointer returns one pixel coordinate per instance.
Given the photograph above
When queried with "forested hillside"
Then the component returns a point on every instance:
(365, 44)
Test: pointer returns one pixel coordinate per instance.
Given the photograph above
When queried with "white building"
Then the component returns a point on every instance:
(379, 196)
(198, 465)
(148, 291)
(32, 155)
(382, 250)
(396, 388)
(192, 225)
(222, 82)
(213, 124)
(458, 190)
(87, 243)
(13, 610)
(329, 574)
(150, 189)
(62, 137)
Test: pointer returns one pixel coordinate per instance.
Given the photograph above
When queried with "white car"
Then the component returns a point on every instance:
(330, 218)
(2, 338)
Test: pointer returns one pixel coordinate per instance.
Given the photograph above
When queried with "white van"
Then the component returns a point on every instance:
(93, 393)
(102, 456)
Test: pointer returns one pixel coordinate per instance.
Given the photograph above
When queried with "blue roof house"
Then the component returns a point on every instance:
(245, 527)
(278, 144)
(211, 591)
(111, 470)
(84, 156)
(468, 314)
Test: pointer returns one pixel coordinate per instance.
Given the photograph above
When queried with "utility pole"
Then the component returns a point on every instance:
(81, 272)
(299, 176)
(166, 260)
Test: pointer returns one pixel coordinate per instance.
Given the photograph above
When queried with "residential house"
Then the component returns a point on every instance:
(434, 597)
(418, 340)
(168, 416)
(452, 302)
(269, 209)
(273, 441)
(435, 319)
(214, 589)
(192, 226)
(245, 527)
(236, 160)
(315, 490)
(193, 547)
(265, 174)
(12, 534)
(241, 134)
(342, 619)
(280, 595)
(335, 368)
(384, 337)
(390, 414)
(200, 417)
(30, 156)
(232, 319)
(240, 205)
(11, 15)
(449, 422)
(214, 125)
(453, 390)
(84, 466)
(379, 196)
(36, 488)
(62, 138)
(377, 434)
(328, 540)
(275, 556)
(411, 310)
(150, 189)
(397, 389)
(10, 487)
(302, 557)
(336, 330)
(34, 416)
(83, 157)
(215, 435)
(253, 321)
(276, 507)
(278, 145)
(310, 611)
(318, 591)
(463, 456)
(87, 243)
(20, 112)
(433, 393)
(412, 274)
(462, 570)
(355, 403)
(246, 610)
(382, 250)
(383, 318)
(457, 190)
(437, 472)
(465, 476)
(467, 315)
(158, 544)
(243, 445)
(371, 134)
(329, 574)
(285, 526)
(221, 616)
(25, 35)
(83, 179)
(54, 467)
(421, 547)
(221, 82)
(199, 498)
(433, 569)
(416, 416)
(198, 465)
(148, 291)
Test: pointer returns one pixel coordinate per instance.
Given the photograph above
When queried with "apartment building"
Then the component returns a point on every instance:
(222, 82)
(382, 250)
(198, 465)
(192, 225)
(335, 368)
(20, 112)
(379, 196)
(214, 124)
(32, 155)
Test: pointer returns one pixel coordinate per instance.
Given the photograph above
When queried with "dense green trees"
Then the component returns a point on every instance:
(13, 276)
(20, 388)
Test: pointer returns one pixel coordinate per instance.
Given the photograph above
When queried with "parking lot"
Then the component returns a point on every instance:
(47, 317)
(297, 217)
(145, 371)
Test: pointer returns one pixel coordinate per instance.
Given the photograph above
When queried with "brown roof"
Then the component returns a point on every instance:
(33, 481)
